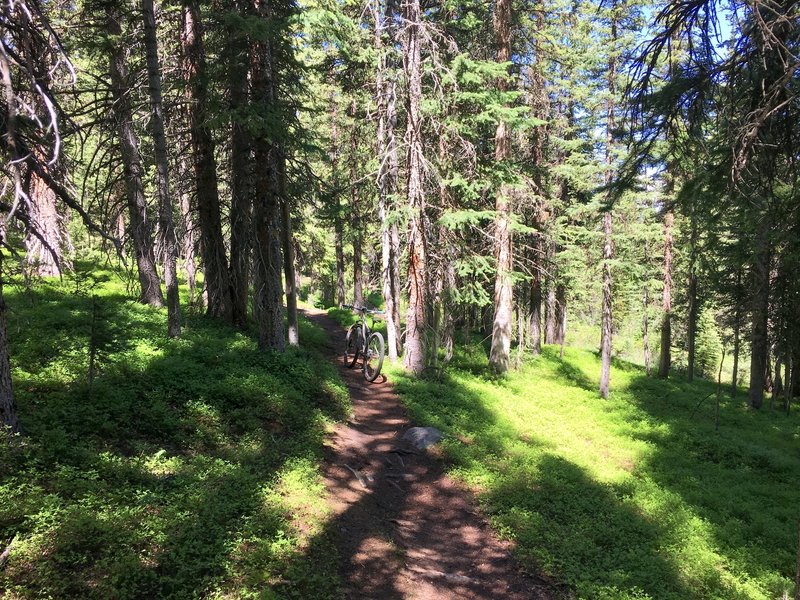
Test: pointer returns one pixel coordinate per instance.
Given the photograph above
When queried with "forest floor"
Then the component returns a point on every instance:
(405, 529)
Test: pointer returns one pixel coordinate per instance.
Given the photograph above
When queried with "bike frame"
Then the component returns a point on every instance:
(365, 330)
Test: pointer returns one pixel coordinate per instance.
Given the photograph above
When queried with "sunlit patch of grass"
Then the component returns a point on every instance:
(185, 468)
(637, 496)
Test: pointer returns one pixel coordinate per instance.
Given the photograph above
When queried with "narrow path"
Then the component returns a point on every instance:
(405, 529)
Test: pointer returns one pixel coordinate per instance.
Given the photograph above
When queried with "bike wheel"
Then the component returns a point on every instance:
(373, 361)
(351, 346)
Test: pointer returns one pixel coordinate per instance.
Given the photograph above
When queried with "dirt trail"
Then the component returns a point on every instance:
(405, 529)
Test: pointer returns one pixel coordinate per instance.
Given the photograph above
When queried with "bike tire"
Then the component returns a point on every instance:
(351, 346)
(373, 360)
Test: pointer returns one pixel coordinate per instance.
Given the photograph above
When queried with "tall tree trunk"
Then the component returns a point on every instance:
(168, 245)
(188, 239)
(550, 300)
(759, 346)
(268, 293)
(241, 169)
(561, 314)
(691, 326)
(646, 330)
(338, 226)
(535, 338)
(540, 104)
(550, 308)
(665, 357)
(293, 325)
(140, 229)
(45, 253)
(737, 325)
(358, 265)
(355, 214)
(212, 244)
(339, 244)
(606, 323)
(387, 175)
(414, 356)
(503, 289)
(777, 387)
(8, 409)
(448, 332)
(606, 326)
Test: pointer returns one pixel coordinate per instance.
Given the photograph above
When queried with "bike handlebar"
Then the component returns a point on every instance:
(363, 309)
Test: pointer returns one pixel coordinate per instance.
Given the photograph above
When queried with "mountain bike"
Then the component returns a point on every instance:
(361, 340)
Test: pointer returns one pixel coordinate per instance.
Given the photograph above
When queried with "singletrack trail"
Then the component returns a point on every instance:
(404, 529)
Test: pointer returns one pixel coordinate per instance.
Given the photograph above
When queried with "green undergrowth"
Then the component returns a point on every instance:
(637, 496)
(185, 468)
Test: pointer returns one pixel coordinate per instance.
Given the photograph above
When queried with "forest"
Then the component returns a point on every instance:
(582, 212)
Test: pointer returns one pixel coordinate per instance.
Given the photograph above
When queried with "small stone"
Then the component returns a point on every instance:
(422, 437)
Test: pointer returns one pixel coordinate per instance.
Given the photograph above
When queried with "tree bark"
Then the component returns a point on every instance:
(777, 387)
(665, 357)
(293, 325)
(692, 296)
(241, 169)
(606, 323)
(188, 239)
(268, 293)
(212, 244)
(535, 336)
(46, 257)
(561, 314)
(168, 245)
(339, 244)
(736, 344)
(140, 229)
(387, 175)
(414, 356)
(789, 384)
(355, 212)
(606, 326)
(503, 289)
(646, 330)
(8, 408)
(550, 311)
(338, 227)
(759, 347)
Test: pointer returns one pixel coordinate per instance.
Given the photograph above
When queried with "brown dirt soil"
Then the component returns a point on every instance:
(404, 529)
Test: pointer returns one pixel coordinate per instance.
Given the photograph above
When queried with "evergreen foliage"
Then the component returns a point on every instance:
(587, 173)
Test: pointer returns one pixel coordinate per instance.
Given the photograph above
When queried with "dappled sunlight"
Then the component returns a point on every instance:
(187, 467)
(634, 496)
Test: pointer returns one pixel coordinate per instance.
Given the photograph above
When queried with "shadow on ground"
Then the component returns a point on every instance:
(574, 534)
(734, 470)
(186, 468)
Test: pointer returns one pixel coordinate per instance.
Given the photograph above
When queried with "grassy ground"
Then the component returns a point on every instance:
(187, 468)
(637, 496)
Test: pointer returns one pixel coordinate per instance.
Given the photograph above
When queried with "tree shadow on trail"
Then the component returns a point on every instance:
(401, 529)
(573, 533)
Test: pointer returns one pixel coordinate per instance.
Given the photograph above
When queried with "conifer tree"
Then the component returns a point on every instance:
(169, 249)
(414, 355)
(501, 328)
(139, 221)
(212, 245)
